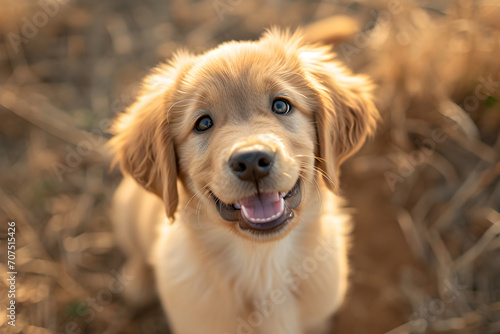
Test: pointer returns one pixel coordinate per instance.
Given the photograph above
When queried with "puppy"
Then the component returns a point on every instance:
(231, 161)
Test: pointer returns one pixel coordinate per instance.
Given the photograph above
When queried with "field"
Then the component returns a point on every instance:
(425, 192)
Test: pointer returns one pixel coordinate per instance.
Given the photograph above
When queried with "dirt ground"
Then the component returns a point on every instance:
(425, 192)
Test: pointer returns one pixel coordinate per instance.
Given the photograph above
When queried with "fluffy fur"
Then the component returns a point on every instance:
(212, 276)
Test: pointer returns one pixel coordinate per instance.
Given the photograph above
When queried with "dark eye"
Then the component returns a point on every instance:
(204, 123)
(281, 106)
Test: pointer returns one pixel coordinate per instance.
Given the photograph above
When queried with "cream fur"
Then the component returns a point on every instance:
(211, 276)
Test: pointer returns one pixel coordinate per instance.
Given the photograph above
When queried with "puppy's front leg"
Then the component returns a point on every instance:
(198, 300)
(222, 314)
(194, 307)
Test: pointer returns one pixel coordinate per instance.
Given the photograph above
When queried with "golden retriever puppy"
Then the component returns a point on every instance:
(242, 146)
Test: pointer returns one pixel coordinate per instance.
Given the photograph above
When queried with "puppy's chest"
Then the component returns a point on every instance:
(244, 276)
(257, 275)
(283, 273)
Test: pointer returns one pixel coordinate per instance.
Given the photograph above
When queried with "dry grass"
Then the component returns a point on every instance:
(427, 240)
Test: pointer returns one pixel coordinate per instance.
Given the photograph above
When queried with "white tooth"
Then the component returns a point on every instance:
(245, 212)
(282, 194)
(237, 205)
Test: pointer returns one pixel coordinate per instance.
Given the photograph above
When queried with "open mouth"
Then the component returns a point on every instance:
(263, 213)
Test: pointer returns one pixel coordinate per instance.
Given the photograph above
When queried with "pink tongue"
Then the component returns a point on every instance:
(263, 208)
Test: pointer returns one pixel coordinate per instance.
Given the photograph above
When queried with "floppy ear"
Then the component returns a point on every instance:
(346, 114)
(142, 142)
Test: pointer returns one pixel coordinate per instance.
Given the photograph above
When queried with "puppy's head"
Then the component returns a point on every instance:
(249, 128)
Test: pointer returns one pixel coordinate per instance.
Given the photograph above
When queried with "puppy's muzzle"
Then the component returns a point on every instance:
(252, 163)
(261, 212)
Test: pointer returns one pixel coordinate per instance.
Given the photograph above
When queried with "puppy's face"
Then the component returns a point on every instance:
(246, 127)
(245, 137)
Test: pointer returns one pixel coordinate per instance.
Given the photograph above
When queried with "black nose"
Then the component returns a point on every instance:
(252, 165)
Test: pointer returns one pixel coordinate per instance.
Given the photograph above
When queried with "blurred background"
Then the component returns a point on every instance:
(425, 193)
